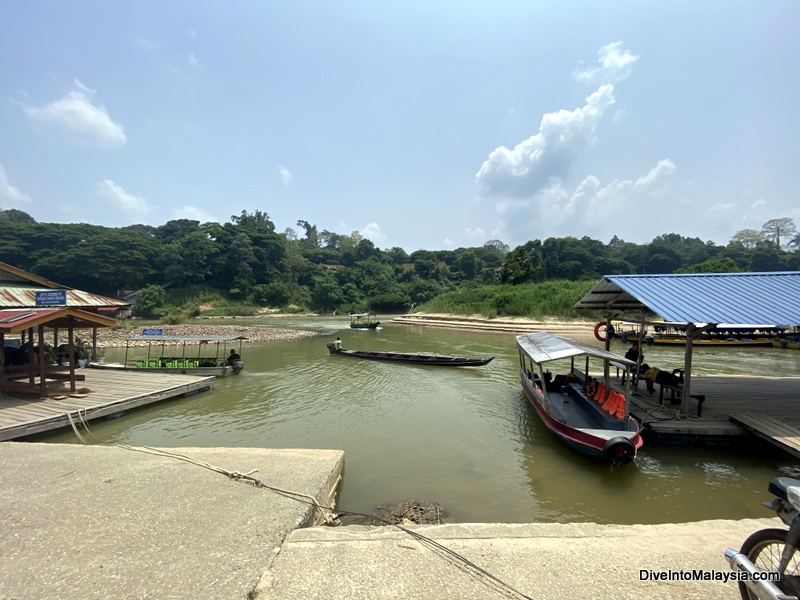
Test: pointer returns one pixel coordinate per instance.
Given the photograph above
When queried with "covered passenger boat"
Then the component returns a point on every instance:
(363, 321)
(188, 355)
(580, 406)
(718, 335)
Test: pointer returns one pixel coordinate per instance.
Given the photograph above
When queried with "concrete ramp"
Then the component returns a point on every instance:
(83, 522)
(542, 561)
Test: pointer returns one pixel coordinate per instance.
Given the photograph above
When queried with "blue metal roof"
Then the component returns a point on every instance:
(766, 298)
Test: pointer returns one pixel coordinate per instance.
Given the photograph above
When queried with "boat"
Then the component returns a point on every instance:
(719, 335)
(586, 412)
(788, 340)
(171, 356)
(412, 359)
(363, 321)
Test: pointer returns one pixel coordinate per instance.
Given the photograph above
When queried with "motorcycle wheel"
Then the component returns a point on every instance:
(764, 549)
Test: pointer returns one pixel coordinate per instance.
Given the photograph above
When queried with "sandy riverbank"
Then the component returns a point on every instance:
(510, 324)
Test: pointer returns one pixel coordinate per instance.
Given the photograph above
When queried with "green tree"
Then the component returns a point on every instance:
(518, 267)
(149, 300)
(748, 238)
(714, 265)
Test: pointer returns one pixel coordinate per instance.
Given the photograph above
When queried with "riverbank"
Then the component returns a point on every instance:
(115, 337)
(509, 324)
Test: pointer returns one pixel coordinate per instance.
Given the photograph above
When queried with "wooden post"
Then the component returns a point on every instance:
(42, 374)
(686, 394)
(71, 350)
(2, 361)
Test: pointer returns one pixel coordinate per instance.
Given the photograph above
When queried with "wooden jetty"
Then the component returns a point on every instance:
(110, 392)
(735, 406)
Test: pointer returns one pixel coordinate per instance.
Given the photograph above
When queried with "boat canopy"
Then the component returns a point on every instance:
(545, 347)
(355, 315)
(186, 338)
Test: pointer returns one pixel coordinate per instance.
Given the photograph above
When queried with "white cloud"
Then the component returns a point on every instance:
(593, 209)
(10, 196)
(125, 201)
(546, 156)
(615, 65)
(193, 214)
(373, 233)
(286, 175)
(476, 233)
(448, 243)
(77, 113)
(192, 58)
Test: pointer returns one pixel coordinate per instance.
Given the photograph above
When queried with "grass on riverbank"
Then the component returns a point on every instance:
(550, 299)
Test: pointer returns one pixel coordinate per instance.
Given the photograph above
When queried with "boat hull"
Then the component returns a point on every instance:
(593, 443)
(363, 326)
(220, 371)
(681, 341)
(412, 359)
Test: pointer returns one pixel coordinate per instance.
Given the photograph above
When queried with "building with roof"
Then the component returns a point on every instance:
(30, 306)
(701, 300)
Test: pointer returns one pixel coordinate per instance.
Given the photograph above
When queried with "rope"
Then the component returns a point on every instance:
(328, 513)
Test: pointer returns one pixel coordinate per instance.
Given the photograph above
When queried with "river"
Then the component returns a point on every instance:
(463, 437)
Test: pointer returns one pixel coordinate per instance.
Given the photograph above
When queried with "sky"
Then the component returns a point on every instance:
(421, 125)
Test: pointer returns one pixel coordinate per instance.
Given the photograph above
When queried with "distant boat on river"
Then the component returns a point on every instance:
(412, 359)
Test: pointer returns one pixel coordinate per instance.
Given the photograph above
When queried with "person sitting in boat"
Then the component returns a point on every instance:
(655, 375)
(338, 343)
(233, 357)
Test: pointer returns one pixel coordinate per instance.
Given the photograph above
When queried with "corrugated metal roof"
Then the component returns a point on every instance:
(769, 298)
(545, 347)
(17, 320)
(24, 295)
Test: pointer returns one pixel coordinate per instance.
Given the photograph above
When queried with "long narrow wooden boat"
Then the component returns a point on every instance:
(412, 359)
(595, 422)
(363, 321)
(168, 354)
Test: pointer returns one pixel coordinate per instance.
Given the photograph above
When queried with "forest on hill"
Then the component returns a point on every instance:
(185, 267)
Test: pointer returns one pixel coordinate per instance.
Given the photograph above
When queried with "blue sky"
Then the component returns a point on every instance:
(432, 125)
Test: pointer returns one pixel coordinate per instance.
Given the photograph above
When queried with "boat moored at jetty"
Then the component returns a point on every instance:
(584, 411)
(720, 335)
(176, 354)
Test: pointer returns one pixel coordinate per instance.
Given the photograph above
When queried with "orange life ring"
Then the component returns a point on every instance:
(597, 327)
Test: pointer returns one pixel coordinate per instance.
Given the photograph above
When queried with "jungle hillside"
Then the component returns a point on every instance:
(185, 269)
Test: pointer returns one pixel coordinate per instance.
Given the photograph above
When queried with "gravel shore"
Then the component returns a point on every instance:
(117, 336)
(114, 337)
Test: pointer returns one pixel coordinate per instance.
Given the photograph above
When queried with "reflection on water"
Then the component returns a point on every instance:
(464, 437)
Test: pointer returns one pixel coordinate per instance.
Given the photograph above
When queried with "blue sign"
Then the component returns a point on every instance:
(51, 298)
(152, 332)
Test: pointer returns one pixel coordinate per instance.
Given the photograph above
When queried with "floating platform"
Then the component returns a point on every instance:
(109, 392)
(731, 402)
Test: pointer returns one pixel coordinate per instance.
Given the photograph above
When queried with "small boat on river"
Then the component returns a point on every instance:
(168, 354)
(363, 321)
(585, 412)
(412, 359)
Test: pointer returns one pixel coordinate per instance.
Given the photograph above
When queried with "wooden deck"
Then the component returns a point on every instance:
(773, 399)
(110, 392)
(774, 430)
